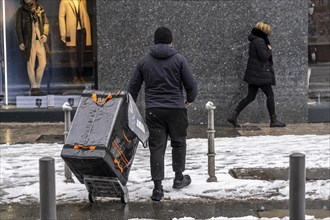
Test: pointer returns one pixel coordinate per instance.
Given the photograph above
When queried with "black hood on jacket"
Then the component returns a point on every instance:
(258, 33)
(251, 37)
(162, 51)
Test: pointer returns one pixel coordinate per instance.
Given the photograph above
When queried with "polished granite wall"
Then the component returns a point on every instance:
(213, 37)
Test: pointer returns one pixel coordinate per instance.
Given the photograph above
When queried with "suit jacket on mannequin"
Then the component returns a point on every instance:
(24, 26)
(68, 21)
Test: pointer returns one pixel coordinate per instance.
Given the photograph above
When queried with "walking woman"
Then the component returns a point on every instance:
(259, 73)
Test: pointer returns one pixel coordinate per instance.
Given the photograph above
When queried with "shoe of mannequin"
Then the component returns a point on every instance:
(82, 79)
(76, 80)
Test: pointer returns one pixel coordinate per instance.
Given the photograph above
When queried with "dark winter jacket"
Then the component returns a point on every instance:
(259, 70)
(165, 73)
(24, 25)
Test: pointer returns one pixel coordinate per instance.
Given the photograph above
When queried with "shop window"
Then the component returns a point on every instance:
(48, 50)
(319, 31)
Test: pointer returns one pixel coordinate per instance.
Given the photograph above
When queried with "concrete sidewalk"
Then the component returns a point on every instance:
(18, 133)
(164, 210)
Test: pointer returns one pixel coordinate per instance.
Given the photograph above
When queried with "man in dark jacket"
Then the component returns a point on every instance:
(32, 30)
(259, 73)
(165, 73)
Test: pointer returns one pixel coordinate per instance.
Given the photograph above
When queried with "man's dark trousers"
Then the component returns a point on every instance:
(164, 122)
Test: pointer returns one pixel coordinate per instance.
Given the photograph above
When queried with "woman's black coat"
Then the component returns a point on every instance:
(259, 70)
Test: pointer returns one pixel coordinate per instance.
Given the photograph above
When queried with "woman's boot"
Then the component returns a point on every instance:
(275, 123)
(232, 119)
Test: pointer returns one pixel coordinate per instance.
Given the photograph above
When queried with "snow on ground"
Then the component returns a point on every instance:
(19, 170)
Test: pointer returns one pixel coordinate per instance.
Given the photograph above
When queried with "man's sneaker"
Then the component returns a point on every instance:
(178, 184)
(157, 194)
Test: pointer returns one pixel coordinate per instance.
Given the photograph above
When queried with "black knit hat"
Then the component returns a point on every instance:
(163, 35)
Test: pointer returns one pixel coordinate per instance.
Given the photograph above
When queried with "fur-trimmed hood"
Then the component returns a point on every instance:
(39, 8)
(25, 6)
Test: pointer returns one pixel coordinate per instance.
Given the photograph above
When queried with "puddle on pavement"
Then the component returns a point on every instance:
(249, 128)
(50, 138)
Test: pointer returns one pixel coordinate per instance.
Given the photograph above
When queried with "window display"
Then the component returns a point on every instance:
(75, 32)
(49, 50)
(319, 31)
(32, 29)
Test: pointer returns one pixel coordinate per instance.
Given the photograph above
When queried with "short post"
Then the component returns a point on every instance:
(67, 123)
(47, 188)
(210, 135)
(297, 186)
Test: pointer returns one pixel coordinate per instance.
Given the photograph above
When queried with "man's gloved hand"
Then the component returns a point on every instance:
(63, 39)
(21, 46)
(43, 38)
(187, 104)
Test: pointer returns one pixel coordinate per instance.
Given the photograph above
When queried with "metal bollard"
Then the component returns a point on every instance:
(210, 135)
(67, 123)
(297, 186)
(47, 188)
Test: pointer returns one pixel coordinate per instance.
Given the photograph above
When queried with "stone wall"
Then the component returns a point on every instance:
(213, 36)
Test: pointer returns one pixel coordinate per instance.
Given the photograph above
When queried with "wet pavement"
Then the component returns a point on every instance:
(163, 210)
(18, 133)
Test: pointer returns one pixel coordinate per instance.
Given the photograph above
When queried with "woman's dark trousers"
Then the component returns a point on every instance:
(252, 93)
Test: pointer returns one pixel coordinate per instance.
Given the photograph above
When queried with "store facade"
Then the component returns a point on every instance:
(211, 34)
(38, 74)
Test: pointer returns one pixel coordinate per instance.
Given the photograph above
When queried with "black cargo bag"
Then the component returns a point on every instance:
(104, 135)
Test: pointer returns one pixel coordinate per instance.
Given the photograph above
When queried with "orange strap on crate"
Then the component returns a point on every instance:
(102, 101)
(118, 165)
(80, 146)
(120, 152)
(126, 138)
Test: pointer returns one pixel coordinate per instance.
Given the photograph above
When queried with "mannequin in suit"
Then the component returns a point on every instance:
(75, 31)
(32, 29)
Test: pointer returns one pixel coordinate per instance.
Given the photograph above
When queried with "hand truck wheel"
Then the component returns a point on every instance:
(91, 197)
(124, 198)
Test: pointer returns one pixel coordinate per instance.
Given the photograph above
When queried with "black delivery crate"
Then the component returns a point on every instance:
(102, 141)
